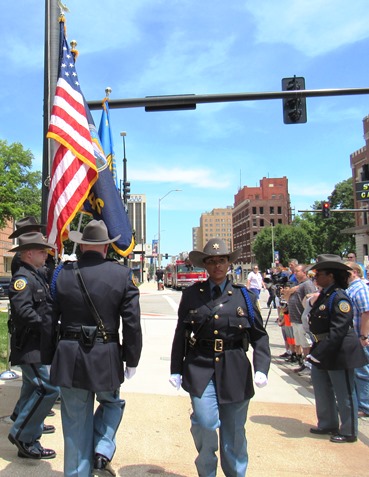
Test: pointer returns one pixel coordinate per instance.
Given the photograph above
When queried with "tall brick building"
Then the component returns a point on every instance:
(359, 161)
(258, 207)
(217, 223)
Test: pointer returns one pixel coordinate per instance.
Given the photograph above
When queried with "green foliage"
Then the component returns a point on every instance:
(3, 341)
(291, 241)
(20, 193)
(310, 234)
(326, 233)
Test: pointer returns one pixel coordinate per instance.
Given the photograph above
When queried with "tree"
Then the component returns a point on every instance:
(326, 233)
(291, 241)
(20, 192)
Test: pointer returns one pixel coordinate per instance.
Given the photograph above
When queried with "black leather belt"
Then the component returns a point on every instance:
(219, 345)
(76, 335)
(318, 337)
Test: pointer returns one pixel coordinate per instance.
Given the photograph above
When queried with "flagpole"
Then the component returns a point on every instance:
(51, 65)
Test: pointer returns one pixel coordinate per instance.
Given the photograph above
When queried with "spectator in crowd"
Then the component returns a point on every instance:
(255, 282)
(358, 292)
(295, 297)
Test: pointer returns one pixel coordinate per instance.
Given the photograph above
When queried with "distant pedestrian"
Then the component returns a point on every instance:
(255, 282)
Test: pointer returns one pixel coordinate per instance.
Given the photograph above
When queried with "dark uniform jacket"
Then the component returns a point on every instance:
(30, 302)
(331, 322)
(116, 298)
(225, 318)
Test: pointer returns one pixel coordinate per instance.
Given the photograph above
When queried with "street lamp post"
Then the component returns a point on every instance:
(124, 182)
(161, 198)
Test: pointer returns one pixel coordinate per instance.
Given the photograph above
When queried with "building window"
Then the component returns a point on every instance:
(271, 209)
(261, 209)
(279, 210)
(254, 210)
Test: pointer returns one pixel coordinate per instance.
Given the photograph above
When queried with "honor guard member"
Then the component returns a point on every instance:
(217, 320)
(92, 298)
(23, 226)
(30, 302)
(335, 352)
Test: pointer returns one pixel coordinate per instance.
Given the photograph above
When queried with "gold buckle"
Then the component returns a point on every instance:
(218, 345)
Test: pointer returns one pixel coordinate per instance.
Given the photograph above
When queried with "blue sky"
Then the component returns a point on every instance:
(142, 48)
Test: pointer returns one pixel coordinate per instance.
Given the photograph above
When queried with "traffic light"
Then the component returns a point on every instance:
(326, 209)
(166, 256)
(126, 191)
(294, 108)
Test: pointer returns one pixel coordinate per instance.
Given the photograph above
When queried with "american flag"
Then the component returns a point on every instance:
(74, 168)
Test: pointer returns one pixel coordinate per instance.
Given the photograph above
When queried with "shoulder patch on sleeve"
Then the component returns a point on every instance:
(344, 306)
(20, 284)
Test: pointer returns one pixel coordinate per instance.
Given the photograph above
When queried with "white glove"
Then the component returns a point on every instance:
(314, 360)
(129, 372)
(260, 379)
(175, 380)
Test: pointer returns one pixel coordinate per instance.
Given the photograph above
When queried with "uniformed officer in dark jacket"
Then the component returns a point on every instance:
(217, 320)
(30, 301)
(335, 353)
(89, 358)
(23, 226)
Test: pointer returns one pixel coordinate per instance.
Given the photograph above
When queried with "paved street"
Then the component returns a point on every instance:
(154, 437)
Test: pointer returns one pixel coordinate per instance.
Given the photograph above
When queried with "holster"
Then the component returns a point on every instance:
(88, 335)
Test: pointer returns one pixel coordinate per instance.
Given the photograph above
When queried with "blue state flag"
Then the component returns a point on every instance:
(104, 201)
(106, 138)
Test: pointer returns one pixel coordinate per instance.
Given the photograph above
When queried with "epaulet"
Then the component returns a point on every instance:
(55, 276)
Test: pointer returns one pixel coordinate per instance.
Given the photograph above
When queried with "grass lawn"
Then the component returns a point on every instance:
(3, 341)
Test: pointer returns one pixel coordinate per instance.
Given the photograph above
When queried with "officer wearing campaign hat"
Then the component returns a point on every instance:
(89, 357)
(217, 320)
(335, 353)
(30, 302)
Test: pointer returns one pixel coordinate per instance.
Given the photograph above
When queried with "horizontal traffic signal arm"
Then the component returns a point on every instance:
(183, 101)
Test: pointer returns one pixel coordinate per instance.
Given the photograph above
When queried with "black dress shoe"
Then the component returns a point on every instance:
(29, 451)
(48, 429)
(44, 454)
(319, 431)
(102, 466)
(339, 438)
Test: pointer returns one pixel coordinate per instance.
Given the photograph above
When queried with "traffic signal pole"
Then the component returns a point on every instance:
(185, 101)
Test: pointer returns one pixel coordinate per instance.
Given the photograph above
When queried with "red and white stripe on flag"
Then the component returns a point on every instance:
(74, 166)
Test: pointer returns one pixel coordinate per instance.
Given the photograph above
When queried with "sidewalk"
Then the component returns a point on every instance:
(154, 437)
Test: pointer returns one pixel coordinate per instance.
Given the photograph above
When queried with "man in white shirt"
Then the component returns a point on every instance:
(255, 281)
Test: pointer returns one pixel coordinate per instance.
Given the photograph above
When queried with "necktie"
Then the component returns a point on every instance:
(216, 292)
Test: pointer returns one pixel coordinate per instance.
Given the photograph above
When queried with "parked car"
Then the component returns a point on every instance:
(4, 284)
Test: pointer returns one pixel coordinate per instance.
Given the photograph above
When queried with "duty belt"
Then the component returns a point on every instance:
(76, 335)
(219, 345)
(318, 337)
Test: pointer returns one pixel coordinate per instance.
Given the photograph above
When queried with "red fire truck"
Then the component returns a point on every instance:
(168, 275)
(184, 274)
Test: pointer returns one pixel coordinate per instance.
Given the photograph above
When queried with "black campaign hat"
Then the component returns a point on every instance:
(31, 240)
(95, 233)
(214, 248)
(25, 225)
(329, 262)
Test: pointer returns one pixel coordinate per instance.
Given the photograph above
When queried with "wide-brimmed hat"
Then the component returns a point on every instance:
(31, 240)
(25, 225)
(214, 248)
(95, 233)
(329, 262)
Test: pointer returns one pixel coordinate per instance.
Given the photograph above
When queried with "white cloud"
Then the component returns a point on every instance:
(197, 178)
(313, 27)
